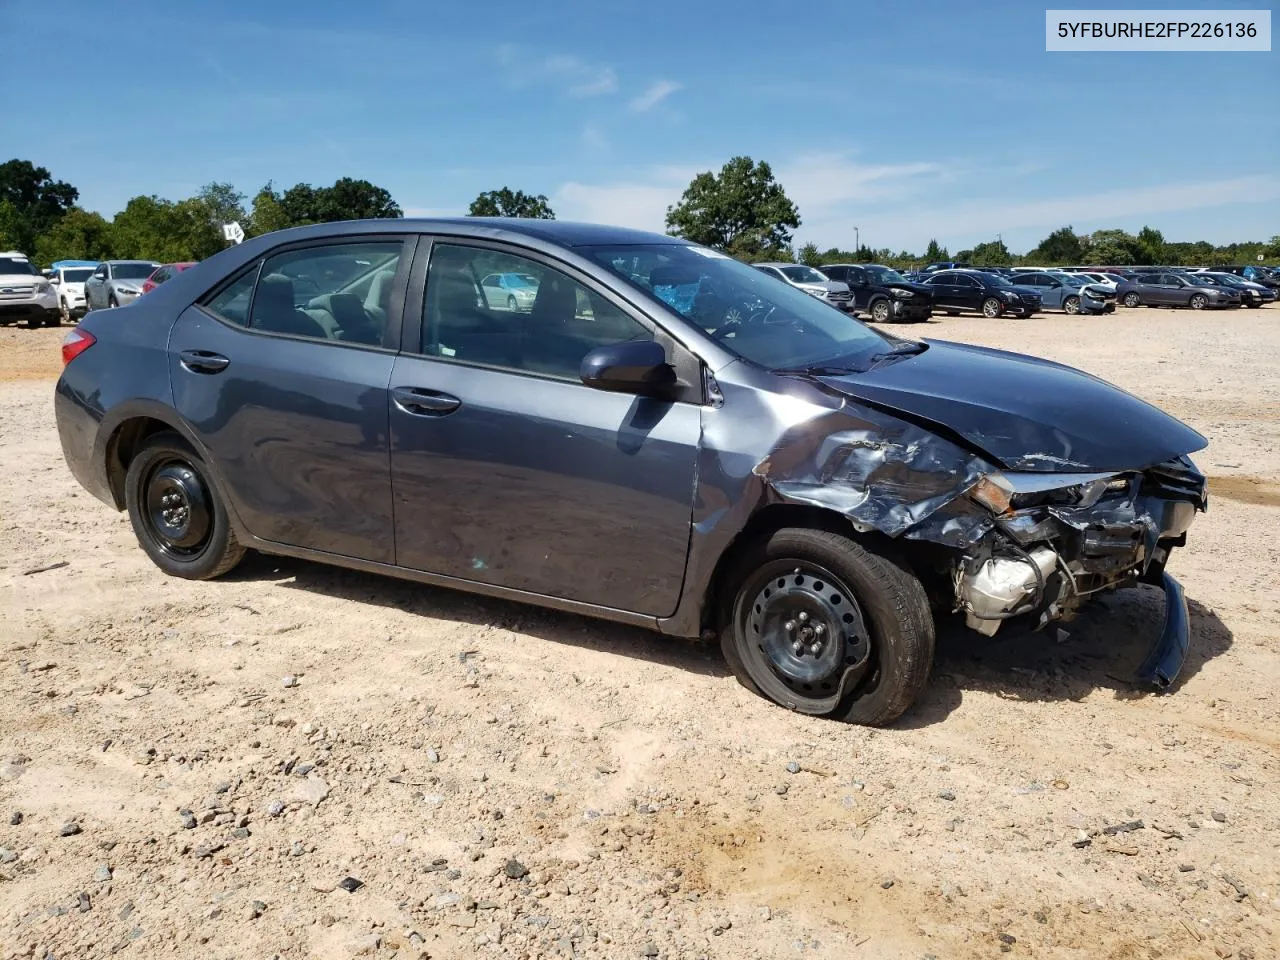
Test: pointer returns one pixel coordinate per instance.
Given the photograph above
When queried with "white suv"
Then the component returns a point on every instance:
(25, 294)
(69, 280)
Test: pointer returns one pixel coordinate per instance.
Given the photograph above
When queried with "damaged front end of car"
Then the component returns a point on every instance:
(1057, 540)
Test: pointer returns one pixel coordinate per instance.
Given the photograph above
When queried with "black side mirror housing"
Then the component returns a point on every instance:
(633, 366)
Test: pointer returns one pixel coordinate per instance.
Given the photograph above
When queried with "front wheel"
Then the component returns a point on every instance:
(824, 625)
(1132, 300)
(991, 307)
(881, 311)
(176, 514)
(1199, 302)
(511, 304)
(1071, 305)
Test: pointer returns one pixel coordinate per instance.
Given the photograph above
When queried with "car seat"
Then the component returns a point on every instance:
(274, 310)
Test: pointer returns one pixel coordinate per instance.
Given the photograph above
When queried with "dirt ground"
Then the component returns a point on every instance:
(192, 769)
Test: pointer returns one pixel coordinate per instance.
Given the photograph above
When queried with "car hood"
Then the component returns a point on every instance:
(1023, 412)
(122, 282)
(831, 286)
(18, 279)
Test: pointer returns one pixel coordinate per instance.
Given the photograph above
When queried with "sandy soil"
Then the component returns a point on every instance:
(436, 746)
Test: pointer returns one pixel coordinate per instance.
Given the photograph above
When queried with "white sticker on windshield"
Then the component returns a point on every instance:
(709, 254)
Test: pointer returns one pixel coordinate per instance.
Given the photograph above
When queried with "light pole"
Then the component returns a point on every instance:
(857, 243)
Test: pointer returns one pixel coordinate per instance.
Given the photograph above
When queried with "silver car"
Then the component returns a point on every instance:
(510, 291)
(811, 281)
(116, 283)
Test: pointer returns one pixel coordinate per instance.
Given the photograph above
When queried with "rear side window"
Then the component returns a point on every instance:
(232, 302)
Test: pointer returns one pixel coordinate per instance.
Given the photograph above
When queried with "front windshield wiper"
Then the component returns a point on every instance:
(816, 370)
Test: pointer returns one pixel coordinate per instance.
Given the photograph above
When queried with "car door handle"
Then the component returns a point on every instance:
(203, 361)
(424, 403)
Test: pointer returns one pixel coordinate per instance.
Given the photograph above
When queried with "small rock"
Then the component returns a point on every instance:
(222, 787)
(126, 911)
(780, 790)
(257, 909)
(69, 829)
(15, 818)
(350, 884)
(1008, 938)
(1219, 816)
(793, 767)
(289, 681)
(275, 808)
(83, 904)
(650, 949)
(1128, 827)
(946, 795)
(1185, 867)
(1082, 840)
(190, 822)
(886, 883)
(514, 869)
(102, 874)
(432, 756)
(7, 855)
(297, 849)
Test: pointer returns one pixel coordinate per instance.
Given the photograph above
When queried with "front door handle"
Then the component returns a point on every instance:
(203, 361)
(424, 403)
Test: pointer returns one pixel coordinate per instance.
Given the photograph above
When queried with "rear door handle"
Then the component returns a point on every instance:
(203, 361)
(424, 403)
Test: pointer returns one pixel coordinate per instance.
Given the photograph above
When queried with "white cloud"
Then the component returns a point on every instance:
(576, 76)
(639, 205)
(658, 91)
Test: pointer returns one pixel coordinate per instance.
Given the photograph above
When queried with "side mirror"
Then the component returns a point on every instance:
(633, 366)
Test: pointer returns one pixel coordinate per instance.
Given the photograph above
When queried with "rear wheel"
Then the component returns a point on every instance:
(64, 311)
(176, 514)
(824, 625)
(1199, 301)
(881, 311)
(511, 304)
(1071, 305)
(35, 321)
(1132, 300)
(991, 307)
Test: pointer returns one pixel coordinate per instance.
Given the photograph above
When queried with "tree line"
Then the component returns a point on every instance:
(741, 210)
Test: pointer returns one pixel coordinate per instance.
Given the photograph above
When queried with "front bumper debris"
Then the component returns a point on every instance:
(1164, 662)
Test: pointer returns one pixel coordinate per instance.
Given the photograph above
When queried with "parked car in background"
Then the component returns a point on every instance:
(1262, 275)
(812, 282)
(882, 292)
(1251, 294)
(25, 294)
(68, 277)
(773, 473)
(1175, 290)
(116, 283)
(510, 291)
(165, 272)
(1069, 292)
(987, 293)
(946, 265)
(998, 271)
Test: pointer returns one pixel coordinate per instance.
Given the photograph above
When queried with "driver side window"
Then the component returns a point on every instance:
(555, 323)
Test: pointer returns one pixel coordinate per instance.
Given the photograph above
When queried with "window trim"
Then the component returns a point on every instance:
(688, 365)
(391, 337)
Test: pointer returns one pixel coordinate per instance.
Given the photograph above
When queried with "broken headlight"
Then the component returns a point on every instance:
(1006, 492)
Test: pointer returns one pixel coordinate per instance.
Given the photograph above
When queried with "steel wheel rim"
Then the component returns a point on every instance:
(806, 636)
(176, 509)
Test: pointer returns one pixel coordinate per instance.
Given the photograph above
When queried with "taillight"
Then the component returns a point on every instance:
(75, 343)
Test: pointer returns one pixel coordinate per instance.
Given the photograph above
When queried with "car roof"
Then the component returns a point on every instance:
(776, 263)
(153, 263)
(563, 233)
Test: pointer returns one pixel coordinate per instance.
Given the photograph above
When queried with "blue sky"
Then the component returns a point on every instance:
(908, 120)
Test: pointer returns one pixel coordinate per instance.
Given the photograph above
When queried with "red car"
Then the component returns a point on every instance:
(163, 273)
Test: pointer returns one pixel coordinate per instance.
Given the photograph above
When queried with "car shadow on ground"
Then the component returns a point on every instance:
(1103, 649)
(461, 607)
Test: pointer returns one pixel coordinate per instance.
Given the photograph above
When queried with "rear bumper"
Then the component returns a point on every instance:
(1164, 662)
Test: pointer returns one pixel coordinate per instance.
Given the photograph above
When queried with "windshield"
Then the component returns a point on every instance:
(11, 265)
(883, 275)
(132, 271)
(1070, 279)
(803, 275)
(1226, 279)
(78, 275)
(756, 317)
(1200, 280)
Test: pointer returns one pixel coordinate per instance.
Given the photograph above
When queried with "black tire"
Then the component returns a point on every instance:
(35, 321)
(64, 312)
(881, 311)
(190, 537)
(992, 308)
(1131, 299)
(1071, 305)
(879, 662)
(1198, 302)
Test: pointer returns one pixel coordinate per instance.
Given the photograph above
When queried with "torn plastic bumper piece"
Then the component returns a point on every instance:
(1166, 658)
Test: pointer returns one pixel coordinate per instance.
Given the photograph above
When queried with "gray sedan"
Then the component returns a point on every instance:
(1176, 290)
(116, 283)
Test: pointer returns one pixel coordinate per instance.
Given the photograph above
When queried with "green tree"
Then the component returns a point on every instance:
(743, 211)
(149, 228)
(267, 213)
(36, 202)
(934, 253)
(347, 199)
(11, 226)
(1113, 247)
(508, 203)
(224, 204)
(1060, 248)
(79, 235)
(964, 256)
(809, 255)
(1151, 245)
(993, 253)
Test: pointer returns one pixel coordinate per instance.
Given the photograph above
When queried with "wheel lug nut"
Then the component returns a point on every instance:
(804, 618)
(815, 648)
(820, 629)
(797, 648)
(789, 626)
